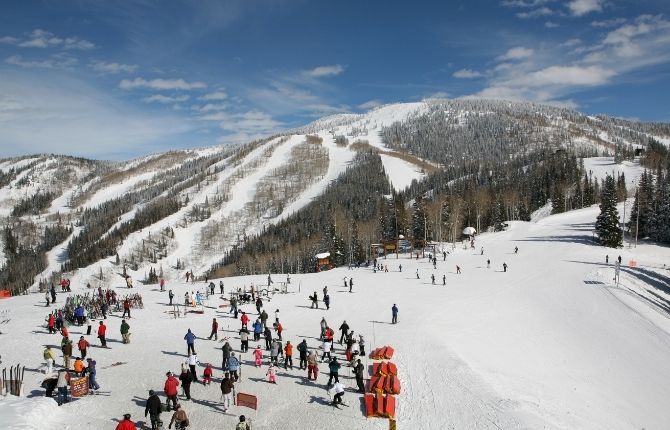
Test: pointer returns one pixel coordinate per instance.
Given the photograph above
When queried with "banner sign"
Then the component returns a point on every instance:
(79, 386)
(247, 400)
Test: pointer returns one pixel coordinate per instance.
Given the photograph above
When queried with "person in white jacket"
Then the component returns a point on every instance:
(192, 361)
(338, 391)
(326, 350)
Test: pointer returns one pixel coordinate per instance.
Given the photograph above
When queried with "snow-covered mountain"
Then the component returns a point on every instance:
(185, 208)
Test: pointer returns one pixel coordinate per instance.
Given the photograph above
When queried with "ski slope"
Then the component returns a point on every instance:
(553, 343)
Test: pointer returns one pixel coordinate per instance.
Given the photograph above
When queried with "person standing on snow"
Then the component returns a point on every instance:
(186, 379)
(227, 386)
(272, 373)
(244, 340)
(312, 366)
(258, 356)
(274, 351)
(92, 372)
(62, 384)
(215, 329)
(153, 409)
(125, 331)
(268, 338)
(170, 296)
(126, 423)
(102, 329)
(359, 368)
(288, 357)
(234, 366)
(179, 418)
(170, 389)
(351, 284)
(83, 346)
(504, 267)
(242, 425)
(334, 367)
(394, 314)
(66, 347)
(189, 337)
(326, 301)
(226, 349)
(338, 391)
(50, 358)
(192, 361)
(302, 349)
(258, 329)
(444, 279)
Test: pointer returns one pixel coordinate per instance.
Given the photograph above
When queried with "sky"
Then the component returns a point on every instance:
(118, 79)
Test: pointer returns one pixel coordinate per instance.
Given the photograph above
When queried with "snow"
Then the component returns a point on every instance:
(401, 173)
(603, 166)
(490, 350)
(323, 255)
(665, 140)
(116, 190)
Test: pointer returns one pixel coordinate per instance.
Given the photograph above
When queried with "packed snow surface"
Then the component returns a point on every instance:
(552, 343)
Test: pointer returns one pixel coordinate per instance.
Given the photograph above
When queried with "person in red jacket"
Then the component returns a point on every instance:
(207, 375)
(126, 308)
(126, 424)
(215, 329)
(170, 388)
(82, 345)
(102, 329)
(64, 331)
(245, 319)
(51, 322)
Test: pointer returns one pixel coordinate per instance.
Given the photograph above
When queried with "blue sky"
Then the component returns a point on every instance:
(118, 79)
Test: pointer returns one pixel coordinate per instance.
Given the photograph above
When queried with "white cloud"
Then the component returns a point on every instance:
(525, 4)
(56, 114)
(543, 11)
(216, 95)
(209, 107)
(370, 104)
(584, 7)
(112, 68)
(160, 84)
(44, 39)
(323, 71)
(608, 23)
(54, 62)
(568, 76)
(550, 24)
(466, 74)
(160, 98)
(517, 53)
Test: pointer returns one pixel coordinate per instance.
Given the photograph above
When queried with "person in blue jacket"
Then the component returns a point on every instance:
(190, 342)
(394, 314)
(258, 329)
(92, 372)
(233, 366)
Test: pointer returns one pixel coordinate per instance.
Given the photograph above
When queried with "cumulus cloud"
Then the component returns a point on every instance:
(325, 71)
(584, 7)
(160, 84)
(216, 95)
(160, 98)
(466, 74)
(112, 68)
(517, 53)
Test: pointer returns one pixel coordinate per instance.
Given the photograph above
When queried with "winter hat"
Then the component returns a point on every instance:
(126, 416)
(242, 418)
(168, 374)
(151, 392)
(232, 354)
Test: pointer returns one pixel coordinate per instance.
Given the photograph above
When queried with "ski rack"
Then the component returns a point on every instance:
(12, 383)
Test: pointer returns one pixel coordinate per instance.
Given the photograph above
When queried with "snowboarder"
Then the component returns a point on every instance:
(315, 301)
(227, 386)
(504, 267)
(394, 314)
(516, 249)
(102, 329)
(153, 409)
(338, 390)
(215, 329)
(126, 423)
(358, 373)
(125, 331)
(179, 417)
(189, 337)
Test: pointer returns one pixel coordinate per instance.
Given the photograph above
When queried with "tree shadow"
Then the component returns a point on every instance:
(581, 238)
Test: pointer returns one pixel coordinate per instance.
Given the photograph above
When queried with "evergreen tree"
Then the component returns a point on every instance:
(357, 250)
(607, 223)
(499, 223)
(420, 223)
(557, 200)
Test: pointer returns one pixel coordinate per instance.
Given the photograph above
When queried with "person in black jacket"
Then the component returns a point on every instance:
(344, 328)
(359, 368)
(153, 408)
(302, 349)
(185, 379)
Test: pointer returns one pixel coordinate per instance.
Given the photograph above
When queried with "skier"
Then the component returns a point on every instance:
(516, 249)
(50, 358)
(315, 301)
(488, 263)
(338, 390)
(227, 386)
(126, 423)
(153, 409)
(326, 301)
(125, 331)
(102, 329)
(417, 273)
(351, 284)
(170, 296)
(192, 361)
(179, 417)
(226, 350)
(288, 355)
(242, 425)
(189, 337)
(272, 373)
(62, 384)
(207, 375)
(334, 367)
(358, 373)
(215, 328)
(244, 340)
(458, 269)
(326, 346)
(312, 366)
(258, 356)
(504, 267)
(344, 328)
(432, 278)
(394, 314)
(92, 383)
(444, 279)
(221, 287)
(302, 349)
(83, 346)
(234, 366)
(170, 389)
(185, 378)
